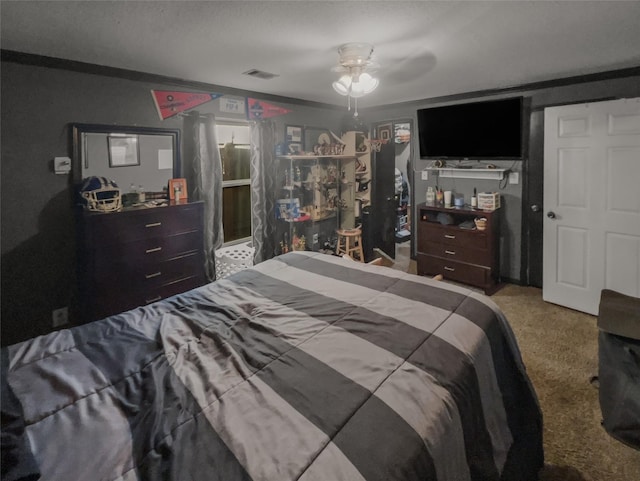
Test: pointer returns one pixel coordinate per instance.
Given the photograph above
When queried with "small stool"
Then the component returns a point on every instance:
(349, 242)
(233, 258)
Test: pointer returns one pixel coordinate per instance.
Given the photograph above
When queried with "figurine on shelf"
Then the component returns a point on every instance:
(294, 240)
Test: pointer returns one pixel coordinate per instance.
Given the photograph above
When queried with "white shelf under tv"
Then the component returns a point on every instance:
(488, 174)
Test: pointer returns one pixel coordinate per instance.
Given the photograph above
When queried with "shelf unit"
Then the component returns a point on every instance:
(357, 146)
(316, 197)
(461, 173)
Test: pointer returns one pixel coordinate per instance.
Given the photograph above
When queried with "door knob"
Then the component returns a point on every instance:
(535, 208)
(551, 215)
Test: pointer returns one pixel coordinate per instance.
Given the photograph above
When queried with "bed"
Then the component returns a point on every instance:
(305, 367)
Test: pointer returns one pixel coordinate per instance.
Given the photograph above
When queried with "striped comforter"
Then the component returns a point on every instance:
(305, 367)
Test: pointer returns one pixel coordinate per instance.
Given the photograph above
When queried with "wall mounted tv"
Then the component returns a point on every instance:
(489, 130)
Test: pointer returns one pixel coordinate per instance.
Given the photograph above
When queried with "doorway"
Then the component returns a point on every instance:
(392, 186)
(591, 223)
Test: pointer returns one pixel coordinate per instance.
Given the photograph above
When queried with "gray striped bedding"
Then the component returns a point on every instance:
(305, 367)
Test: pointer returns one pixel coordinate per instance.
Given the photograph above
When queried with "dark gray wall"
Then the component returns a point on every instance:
(511, 242)
(38, 232)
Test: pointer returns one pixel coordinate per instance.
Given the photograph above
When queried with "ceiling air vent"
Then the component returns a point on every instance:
(260, 74)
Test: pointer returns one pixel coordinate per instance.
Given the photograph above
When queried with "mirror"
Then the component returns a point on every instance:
(142, 156)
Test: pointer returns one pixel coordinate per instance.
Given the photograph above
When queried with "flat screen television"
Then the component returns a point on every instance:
(489, 130)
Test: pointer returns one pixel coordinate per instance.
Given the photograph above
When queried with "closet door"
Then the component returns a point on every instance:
(383, 201)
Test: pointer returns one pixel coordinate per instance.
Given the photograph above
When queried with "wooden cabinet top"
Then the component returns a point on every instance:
(457, 210)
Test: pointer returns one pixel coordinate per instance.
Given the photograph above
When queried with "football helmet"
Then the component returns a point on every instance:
(100, 194)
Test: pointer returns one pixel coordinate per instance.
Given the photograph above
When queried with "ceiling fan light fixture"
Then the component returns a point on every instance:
(355, 59)
(342, 85)
(354, 54)
(369, 83)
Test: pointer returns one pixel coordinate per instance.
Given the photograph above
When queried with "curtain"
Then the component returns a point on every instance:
(202, 167)
(263, 188)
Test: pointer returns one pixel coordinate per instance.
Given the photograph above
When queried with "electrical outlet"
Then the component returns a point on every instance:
(424, 175)
(514, 177)
(60, 316)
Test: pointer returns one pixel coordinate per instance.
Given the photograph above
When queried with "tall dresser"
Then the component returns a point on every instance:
(466, 255)
(138, 256)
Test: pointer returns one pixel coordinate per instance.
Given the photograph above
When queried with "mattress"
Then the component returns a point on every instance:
(304, 367)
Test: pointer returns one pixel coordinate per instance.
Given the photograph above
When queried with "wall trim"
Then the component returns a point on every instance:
(540, 85)
(94, 69)
(89, 68)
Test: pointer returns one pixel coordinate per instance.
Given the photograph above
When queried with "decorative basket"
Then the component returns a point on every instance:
(232, 259)
(488, 200)
(481, 223)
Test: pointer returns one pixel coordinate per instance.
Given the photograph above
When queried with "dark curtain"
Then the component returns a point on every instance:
(202, 167)
(263, 188)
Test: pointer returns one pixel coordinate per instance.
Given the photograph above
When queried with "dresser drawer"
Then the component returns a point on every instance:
(169, 289)
(109, 302)
(454, 270)
(452, 235)
(149, 274)
(472, 255)
(120, 257)
(168, 271)
(125, 227)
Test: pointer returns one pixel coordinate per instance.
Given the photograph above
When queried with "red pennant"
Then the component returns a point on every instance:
(170, 103)
(257, 110)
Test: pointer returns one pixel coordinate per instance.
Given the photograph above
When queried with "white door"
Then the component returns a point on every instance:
(591, 233)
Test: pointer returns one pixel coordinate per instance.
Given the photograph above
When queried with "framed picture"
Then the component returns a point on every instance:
(314, 136)
(384, 132)
(178, 189)
(293, 133)
(123, 150)
(402, 132)
(294, 148)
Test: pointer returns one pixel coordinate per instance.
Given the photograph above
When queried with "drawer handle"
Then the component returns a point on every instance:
(451, 269)
(155, 274)
(449, 236)
(451, 253)
(153, 299)
(155, 249)
(153, 224)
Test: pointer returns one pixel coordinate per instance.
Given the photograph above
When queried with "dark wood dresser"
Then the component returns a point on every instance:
(469, 256)
(138, 256)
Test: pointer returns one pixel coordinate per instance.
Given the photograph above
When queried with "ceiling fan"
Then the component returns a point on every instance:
(355, 65)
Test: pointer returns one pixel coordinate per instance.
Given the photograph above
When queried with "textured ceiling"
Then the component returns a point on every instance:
(425, 49)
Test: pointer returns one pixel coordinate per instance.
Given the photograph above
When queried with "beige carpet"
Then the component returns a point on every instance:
(560, 349)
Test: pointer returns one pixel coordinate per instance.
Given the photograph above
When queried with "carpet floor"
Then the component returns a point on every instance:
(560, 350)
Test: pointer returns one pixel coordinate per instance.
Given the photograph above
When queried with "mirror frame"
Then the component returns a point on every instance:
(77, 129)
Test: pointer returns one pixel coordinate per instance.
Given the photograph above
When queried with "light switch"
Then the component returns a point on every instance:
(514, 177)
(425, 175)
(62, 165)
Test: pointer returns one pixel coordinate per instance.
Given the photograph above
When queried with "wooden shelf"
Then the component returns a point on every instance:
(452, 172)
(314, 156)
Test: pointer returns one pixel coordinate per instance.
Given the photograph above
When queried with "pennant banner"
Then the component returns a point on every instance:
(257, 110)
(169, 103)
